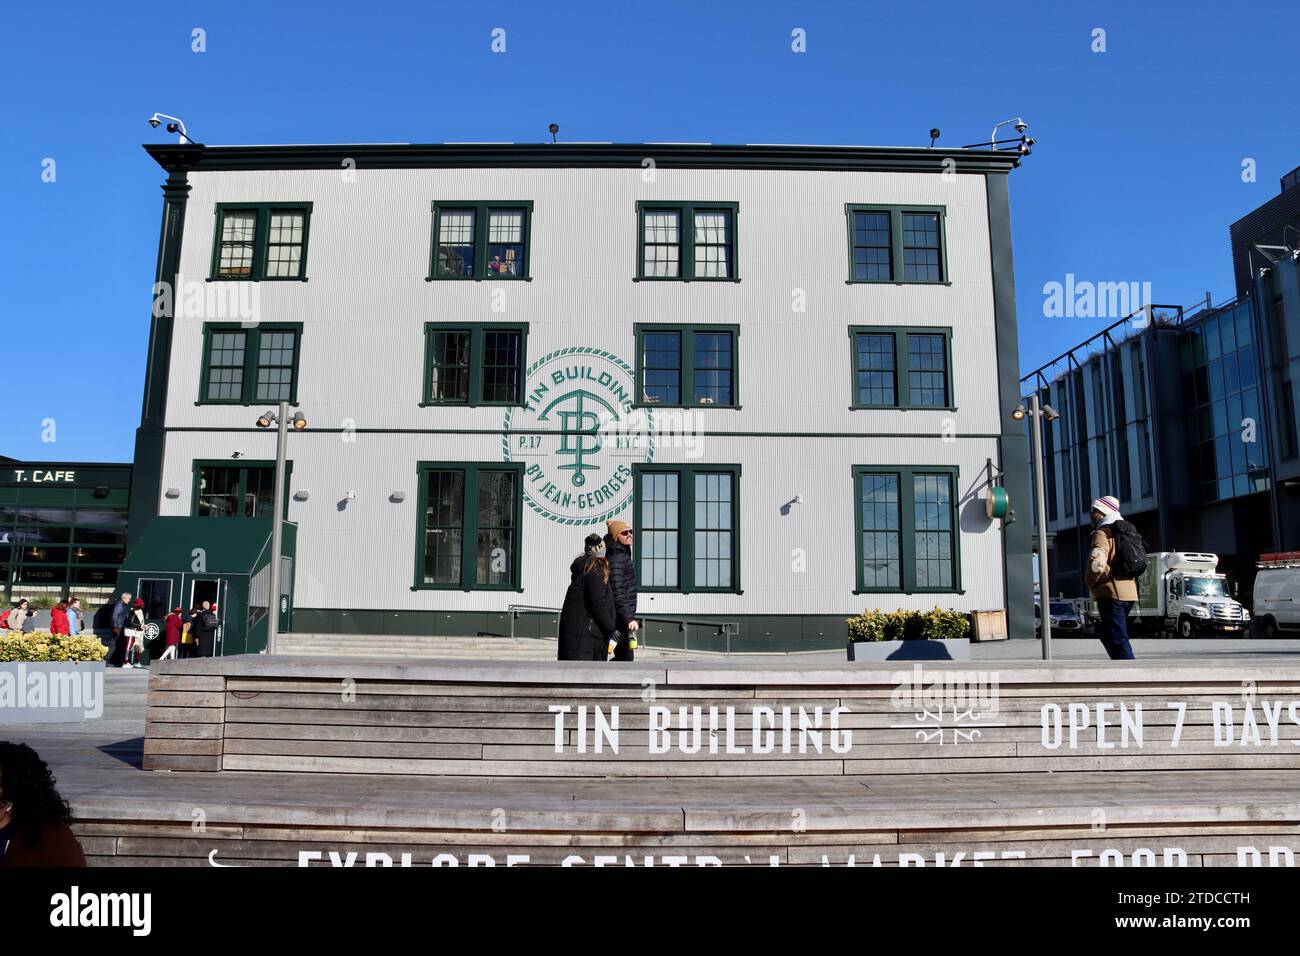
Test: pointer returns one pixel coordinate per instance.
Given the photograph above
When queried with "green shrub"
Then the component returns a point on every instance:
(44, 646)
(936, 625)
(941, 625)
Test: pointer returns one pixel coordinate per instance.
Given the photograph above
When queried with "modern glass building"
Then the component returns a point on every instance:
(1189, 418)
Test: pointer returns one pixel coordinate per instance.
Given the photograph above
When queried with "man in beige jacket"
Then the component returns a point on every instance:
(1114, 596)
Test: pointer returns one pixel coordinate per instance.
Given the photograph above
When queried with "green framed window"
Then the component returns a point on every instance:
(907, 528)
(244, 489)
(687, 241)
(898, 244)
(901, 367)
(683, 366)
(474, 363)
(247, 365)
(481, 240)
(261, 241)
(686, 524)
(470, 516)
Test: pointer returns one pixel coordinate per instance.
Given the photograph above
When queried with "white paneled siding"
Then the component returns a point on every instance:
(366, 300)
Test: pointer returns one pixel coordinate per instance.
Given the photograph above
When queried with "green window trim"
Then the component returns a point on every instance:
(686, 526)
(261, 240)
(482, 220)
(686, 366)
(907, 525)
(902, 368)
(469, 525)
(244, 466)
(252, 350)
(896, 244)
(474, 393)
(686, 240)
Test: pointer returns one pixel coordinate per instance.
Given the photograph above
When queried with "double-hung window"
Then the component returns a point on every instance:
(897, 244)
(907, 529)
(680, 366)
(261, 241)
(474, 363)
(246, 365)
(687, 522)
(687, 241)
(469, 520)
(481, 240)
(901, 367)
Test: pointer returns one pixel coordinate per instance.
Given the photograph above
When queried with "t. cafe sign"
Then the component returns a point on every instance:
(42, 476)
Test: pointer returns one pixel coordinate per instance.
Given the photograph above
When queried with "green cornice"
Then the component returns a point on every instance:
(190, 157)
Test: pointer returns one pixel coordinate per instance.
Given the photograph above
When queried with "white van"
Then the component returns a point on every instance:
(1277, 592)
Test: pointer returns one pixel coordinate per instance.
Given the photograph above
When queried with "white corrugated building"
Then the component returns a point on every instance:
(790, 368)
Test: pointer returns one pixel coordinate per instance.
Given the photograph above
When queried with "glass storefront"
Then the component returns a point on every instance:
(62, 528)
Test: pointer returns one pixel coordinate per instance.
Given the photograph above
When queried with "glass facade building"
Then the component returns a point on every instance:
(62, 528)
(1190, 420)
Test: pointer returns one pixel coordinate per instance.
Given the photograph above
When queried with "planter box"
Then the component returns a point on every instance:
(958, 650)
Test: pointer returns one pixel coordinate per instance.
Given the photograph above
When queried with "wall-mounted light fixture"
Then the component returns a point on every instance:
(172, 492)
(302, 494)
(397, 497)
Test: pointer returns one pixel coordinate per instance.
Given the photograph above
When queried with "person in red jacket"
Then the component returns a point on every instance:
(59, 619)
(172, 626)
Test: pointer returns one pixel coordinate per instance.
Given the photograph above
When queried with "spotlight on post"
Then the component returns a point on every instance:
(266, 420)
(1018, 413)
(299, 422)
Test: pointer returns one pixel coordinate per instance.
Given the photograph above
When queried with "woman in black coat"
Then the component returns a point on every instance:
(587, 618)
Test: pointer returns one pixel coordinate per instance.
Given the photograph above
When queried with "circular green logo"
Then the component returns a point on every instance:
(578, 435)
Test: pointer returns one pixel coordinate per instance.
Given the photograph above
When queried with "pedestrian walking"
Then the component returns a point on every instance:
(134, 631)
(587, 618)
(622, 582)
(17, 616)
(75, 616)
(121, 612)
(206, 623)
(59, 619)
(173, 625)
(1117, 558)
(189, 639)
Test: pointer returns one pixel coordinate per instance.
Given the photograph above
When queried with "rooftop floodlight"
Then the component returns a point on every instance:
(934, 134)
(554, 128)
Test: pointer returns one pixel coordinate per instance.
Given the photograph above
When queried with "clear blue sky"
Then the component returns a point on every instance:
(1136, 176)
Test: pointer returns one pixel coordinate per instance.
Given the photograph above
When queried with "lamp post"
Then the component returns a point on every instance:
(1036, 413)
(280, 419)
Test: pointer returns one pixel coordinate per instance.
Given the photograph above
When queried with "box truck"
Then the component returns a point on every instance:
(1183, 590)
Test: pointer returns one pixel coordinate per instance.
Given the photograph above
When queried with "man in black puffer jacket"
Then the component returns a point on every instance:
(622, 581)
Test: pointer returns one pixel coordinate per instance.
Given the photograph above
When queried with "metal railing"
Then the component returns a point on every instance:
(684, 624)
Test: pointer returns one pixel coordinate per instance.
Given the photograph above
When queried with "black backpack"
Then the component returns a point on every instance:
(1130, 559)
